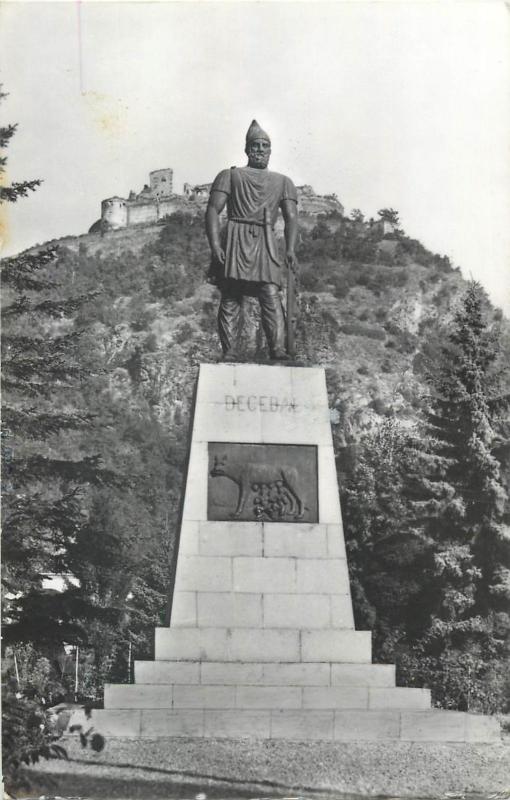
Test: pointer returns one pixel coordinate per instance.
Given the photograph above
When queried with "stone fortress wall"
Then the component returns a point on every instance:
(158, 200)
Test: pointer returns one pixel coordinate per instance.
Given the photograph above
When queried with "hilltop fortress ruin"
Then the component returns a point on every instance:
(157, 200)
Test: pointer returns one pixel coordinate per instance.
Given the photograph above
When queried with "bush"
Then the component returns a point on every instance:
(184, 333)
(459, 681)
(140, 315)
(168, 281)
(26, 736)
(311, 281)
(359, 329)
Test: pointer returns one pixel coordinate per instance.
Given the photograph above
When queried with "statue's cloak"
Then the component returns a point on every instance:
(253, 199)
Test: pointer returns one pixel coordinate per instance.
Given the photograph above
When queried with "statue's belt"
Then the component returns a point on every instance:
(268, 230)
(247, 221)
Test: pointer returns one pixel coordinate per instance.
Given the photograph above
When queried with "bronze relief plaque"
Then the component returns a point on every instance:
(262, 482)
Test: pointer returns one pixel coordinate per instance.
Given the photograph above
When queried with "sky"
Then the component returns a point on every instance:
(401, 104)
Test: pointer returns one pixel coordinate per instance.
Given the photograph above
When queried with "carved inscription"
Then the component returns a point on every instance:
(260, 402)
(276, 483)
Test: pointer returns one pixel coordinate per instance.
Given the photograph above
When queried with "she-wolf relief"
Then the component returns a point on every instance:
(262, 482)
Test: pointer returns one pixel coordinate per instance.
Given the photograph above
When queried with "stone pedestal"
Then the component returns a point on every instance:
(261, 641)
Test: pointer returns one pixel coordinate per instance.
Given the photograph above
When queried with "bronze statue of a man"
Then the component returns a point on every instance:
(245, 258)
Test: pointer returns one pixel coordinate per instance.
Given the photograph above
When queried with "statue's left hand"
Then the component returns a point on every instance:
(290, 259)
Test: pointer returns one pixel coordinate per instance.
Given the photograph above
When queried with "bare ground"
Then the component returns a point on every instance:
(182, 768)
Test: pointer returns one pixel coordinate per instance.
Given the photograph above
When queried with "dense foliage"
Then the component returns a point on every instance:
(427, 517)
(85, 506)
(107, 342)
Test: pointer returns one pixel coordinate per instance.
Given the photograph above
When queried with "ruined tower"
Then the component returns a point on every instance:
(161, 182)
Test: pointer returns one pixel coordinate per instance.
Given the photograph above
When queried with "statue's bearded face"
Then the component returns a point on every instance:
(258, 152)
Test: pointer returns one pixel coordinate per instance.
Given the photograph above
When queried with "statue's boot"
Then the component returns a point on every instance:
(280, 355)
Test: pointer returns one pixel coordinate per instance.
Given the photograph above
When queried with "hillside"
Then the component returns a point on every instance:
(372, 309)
(367, 304)
(375, 309)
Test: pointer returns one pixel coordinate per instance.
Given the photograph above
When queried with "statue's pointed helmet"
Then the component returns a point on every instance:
(256, 132)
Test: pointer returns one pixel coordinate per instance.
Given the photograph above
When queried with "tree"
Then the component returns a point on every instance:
(18, 189)
(357, 215)
(426, 520)
(459, 496)
(43, 495)
(40, 495)
(389, 215)
(386, 550)
(43, 506)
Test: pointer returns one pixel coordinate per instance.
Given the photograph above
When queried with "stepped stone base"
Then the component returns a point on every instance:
(340, 725)
(261, 640)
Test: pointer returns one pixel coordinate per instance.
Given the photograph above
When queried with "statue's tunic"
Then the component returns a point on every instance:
(253, 199)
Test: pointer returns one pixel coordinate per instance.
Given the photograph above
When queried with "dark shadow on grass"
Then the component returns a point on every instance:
(128, 788)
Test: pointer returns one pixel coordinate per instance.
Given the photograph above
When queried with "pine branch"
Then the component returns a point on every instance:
(20, 272)
(35, 425)
(7, 132)
(62, 308)
(17, 344)
(20, 306)
(85, 471)
(10, 194)
(50, 368)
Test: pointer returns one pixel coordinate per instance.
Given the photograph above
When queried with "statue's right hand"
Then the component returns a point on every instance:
(219, 255)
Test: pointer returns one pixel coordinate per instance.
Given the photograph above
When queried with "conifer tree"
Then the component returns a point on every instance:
(43, 482)
(10, 194)
(386, 550)
(465, 501)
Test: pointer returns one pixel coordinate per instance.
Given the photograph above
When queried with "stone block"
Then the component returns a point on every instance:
(336, 541)
(351, 726)
(329, 501)
(295, 540)
(303, 425)
(224, 422)
(309, 386)
(432, 726)
(296, 611)
(229, 610)
(264, 645)
(481, 728)
(167, 672)
(204, 696)
(264, 574)
(230, 539)
(191, 644)
(335, 697)
(111, 722)
(341, 611)
(195, 498)
(203, 574)
(162, 722)
(184, 610)
(237, 724)
(131, 695)
(230, 674)
(322, 576)
(343, 646)
(398, 697)
(302, 725)
(268, 697)
(217, 380)
(214, 381)
(188, 538)
(297, 674)
(363, 675)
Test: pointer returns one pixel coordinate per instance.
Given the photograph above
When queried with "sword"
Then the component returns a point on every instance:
(291, 311)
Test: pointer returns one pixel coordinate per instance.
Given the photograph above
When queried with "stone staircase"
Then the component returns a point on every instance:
(231, 665)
